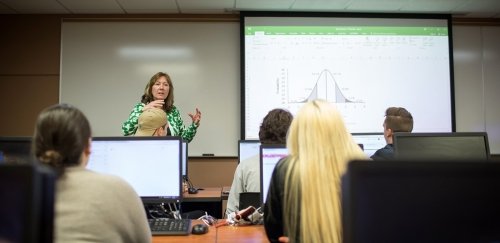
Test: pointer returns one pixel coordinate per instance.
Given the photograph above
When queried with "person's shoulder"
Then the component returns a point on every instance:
(283, 164)
(252, 160)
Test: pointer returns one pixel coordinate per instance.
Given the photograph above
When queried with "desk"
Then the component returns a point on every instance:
(249, 233)
(208, 200)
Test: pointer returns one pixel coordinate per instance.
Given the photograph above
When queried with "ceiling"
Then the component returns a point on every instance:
(459, 8)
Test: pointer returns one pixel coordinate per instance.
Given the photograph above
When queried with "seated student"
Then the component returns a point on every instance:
(273, 130)
(90, 207)
(319, 147)
(397, 119)
(152, 122)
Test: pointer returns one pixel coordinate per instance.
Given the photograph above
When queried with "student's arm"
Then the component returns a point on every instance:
(233, 200)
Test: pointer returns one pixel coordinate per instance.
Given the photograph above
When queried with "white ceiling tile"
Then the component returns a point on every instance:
(462, 8)
(433, 5)
(480, 6)
(320, 5)
(378, 5)
(149, 5)
(204, 4)
(91, 5)
(264, 4)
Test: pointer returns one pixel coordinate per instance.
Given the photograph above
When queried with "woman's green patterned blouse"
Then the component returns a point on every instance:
(175, 123)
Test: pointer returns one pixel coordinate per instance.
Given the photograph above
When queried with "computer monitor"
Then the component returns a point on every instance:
(269, 157)
(151, 165)
(27, 203)
(15, 150)
(247, 149)
(424, 201)
(370, 142)
(443, 146)
(184, 158)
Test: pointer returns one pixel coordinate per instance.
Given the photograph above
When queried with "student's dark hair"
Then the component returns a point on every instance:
(148, 94)
(398, 119)
(62, 132)
(275, 126)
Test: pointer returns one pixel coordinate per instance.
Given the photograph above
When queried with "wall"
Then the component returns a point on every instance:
(29, 81)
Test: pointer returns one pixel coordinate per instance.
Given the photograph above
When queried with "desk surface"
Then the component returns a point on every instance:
(208, 194)
(250, 233)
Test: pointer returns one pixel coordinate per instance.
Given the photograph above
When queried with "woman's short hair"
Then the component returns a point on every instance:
(398, 119)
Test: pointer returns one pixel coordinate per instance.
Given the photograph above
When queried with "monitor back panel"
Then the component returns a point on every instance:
(402, 201)
(15, 150)
(442, 146)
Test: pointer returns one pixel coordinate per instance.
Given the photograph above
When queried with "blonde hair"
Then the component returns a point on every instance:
(320, 147)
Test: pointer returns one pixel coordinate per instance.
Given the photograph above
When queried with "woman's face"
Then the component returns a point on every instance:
(160, 88)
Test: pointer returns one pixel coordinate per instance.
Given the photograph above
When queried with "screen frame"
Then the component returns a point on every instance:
(153, 200)
(261, 165)
(397, 136)
(16, 142)
(243, 141)
(184, 159)
(277, 14)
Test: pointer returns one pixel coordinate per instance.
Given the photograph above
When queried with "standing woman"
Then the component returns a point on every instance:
(304, 197)
(159, 93)
(89, 207)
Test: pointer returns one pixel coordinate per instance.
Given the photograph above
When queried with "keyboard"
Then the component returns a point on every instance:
(165, 226)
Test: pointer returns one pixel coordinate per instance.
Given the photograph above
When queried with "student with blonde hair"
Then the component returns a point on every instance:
(304, 198)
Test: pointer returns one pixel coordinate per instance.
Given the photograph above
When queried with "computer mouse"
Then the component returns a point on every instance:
(199, 229)
(192, 190)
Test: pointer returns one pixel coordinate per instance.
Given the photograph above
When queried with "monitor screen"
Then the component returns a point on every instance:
(370, 142)
(151, 165)
(15, 150)
(247, 149)
(350, 60)
(269, 157)
(444, 146)
(184, 158)
(27, 203)
(405, 201)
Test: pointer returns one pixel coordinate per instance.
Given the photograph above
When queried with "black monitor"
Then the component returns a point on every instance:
(424, 201)
(27, 203)
(15, 150)
(247, 149)
(370, 142)
(184, 158)
(443, 146)
(151, 165)
(270, 154)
